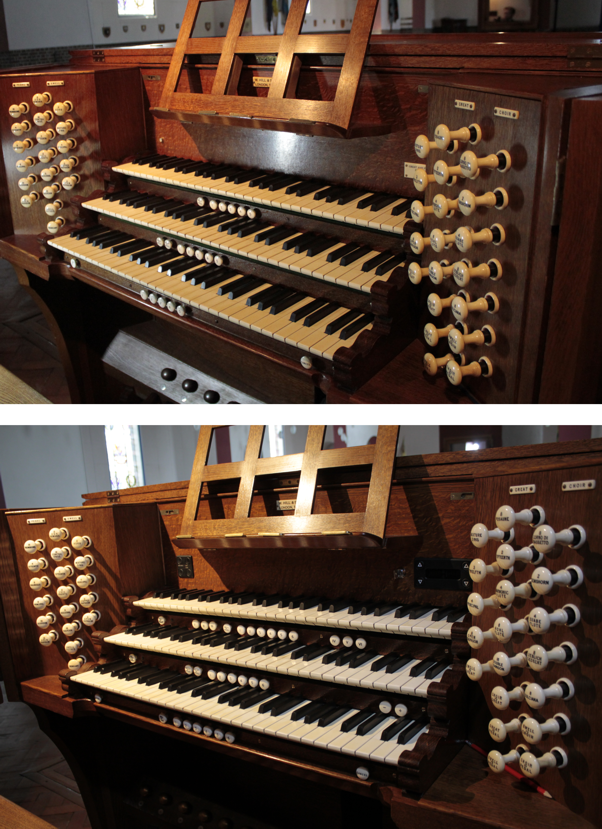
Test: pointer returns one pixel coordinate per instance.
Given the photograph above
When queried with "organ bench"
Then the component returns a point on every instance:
(338, 637)
(305, 214)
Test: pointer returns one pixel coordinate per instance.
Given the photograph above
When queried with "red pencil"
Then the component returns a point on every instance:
(516, 774)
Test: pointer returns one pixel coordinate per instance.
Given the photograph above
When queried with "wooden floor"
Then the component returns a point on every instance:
(34, 774)
(26, 344)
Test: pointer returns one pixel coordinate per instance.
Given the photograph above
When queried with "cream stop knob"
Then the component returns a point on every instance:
(461, 307)
(51, 190)
(31, 547)
(468, 202)
(476, 669)
(65, 591)
(471, 165)
(81, 562)
(71, 628)
(71, 181)
(67, 164)
(440, 239)
(422, 146)
(45, 621)
(499, 730)
(63, 572)
(42, 98)
(61, 108)
(422, 179)
(21, 146)
(48, 173)
(46, 156)
(432, 364)
(438, 271)
(59, 533)
(497, 761)
(17, 110)
(91, 618)
(19, 128)
(456, 373)
(466, 237)
(463, 272)
(501, 697)
(436, 304)
(53, 208)
(543, 580)
(74, 645)
(77, 663)
(444, 174)
(478, 570)
(534, 731)
(444, 136)
(480, 535)
(42, 602)
(39, 583)
(540, 620)
(45, 136)
(417, 209)
(89, 599)
(67, 610)
(507, 592)
(458, 341)
(532, 766)
(26, 183)
(536, 696)
(47, 639)
(65, 145)
(40, 119)
(503, 629)
(443, 207)
(59, 553)
(65, 127)
(503, 664)
(506, 517)
(23, 164)
(539, 658)
(37, 564)
(476, 637)
(81, 541)
(30, 199)
(507, 556)
(545, 539)
(432, 334)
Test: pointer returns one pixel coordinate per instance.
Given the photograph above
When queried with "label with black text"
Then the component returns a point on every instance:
(36, 520)
(506, 113)
(570, 486)
(72, 518)
(523, 489)
(464, 104)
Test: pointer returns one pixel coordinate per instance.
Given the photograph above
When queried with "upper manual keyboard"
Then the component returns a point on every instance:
(350, 205)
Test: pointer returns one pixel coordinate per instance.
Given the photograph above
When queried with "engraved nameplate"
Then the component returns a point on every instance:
(523, 489)
(570, 486)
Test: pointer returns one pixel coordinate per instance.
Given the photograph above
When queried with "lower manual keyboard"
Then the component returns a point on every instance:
(365, 734)
(286, 315)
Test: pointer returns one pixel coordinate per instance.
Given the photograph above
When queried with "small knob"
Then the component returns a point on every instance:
(444, 136)
(55, 225)
(418, 243)
(468, 202)
(81, 562)
(90, 619)
(476, 637)
(51, 190)
(471, 165)
(432, 334)
(534, 731)
(507, 592)
(30, 199)
(499, 730)
(81, 541)
(497, 761)
(443, 172)
(211, 396)
(184, 808)
(169, 374)
(415, 273)
(503, 629)
(37, 564)
(422, 146)
(440, 239)
(165, 800)
(65, 591)
(40, 119)
(466, 237)
(540, 620)
(419, 211)
(73, 646)
(502, 663)
(19, 128)
(23, 164)
(42, 602)
(422, 179)
(436, 304)
(190, 386)
(65, 127)
(476, 604)
(461, 306)
(543, 580)
(458, 341)
(46, 156)
(45, 621)
(63, 572)
(501, 698)
(66, 145)
(45, 136)
(205, 817)
(463, 272)
(77, 663)
(456, 373)
(61, 108)
(532, 766)
(432, 364)
(480, 535)
(39, 583)
(48, 173)
(539, 658)
(26, 183)
(40, 99)
(225, 823)
(53, 208)
(68, 164)
(49, 638)
(84, 581)
(71, 628)
(88, 599)
(21, 146)
(67, 610)
(443, 207)
(545, 539)
(17, 110)
(476, 669)
(506, 556)
(438, 271)
(536, 696)
(478, 570)
(69, 182)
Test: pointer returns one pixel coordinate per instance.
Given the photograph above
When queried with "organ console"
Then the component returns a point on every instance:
(293, 635)
(310, 203)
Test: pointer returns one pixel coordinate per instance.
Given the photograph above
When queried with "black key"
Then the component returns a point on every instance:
(345, 656)
(297, 316)
(330, 655)
(173, 681)
(135, 199)
(320, 245)
(174, 262)
(214, 691)
(233, 691)
(359, 607)
(285, 647)
(302, 243)
(161, 633)
(369, 725)
(399, 662)
(216, 278)
(315, 318)
(152, 679)
(284, 704)
(265, 295)
(381, 609)
(108, 234)
(130, 247)
(186, 212)
(278, 234)
(198, 691)
(456, 615)
(140, 629)
(362, 658)
(401, 208)
(370, 264)
(332, 715)
(421, 667)
(228, 223)
(390, 264)
(284, 181)
(215, 219)
(264, 180)
(269, 601)
(342, 321)
(110, 666)
(316, 713)
(393, 729)
(368, 201)
(277, 308)
(252, 227)
(245, 175)
(280, 293)
(161, 204)
(142, 670)
(437, 668)
(249, 702)
(273, 182)
(356, 326)
(302, 712)
(300, 652)
(382, 202)
(408, 733)
(350, 196)
(420, 611)
(167, 632)
(186, 687)
(290, 243)
(147, 159)
(178, 267)
(158, 163)
(270, 647)
(319, 651)
(441, 613)
(156, 258)
(335, 255)
(354, 721)
(305, 188)
(108, 243)
(240, 286)
(350, 258)
(223, 172)
(404, 610)
(330, 194)
(186, 637)
(306, 603)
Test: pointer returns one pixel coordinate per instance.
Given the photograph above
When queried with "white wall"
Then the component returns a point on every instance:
(167, 452)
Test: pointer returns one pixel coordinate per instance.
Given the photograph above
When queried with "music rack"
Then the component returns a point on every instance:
(281, 109)
(303, 528)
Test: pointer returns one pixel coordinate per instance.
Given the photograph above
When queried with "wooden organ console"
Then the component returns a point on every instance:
(284, 641)
(306, 210)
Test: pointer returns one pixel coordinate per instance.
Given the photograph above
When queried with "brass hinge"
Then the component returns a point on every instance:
(112, 496)
(585, 57)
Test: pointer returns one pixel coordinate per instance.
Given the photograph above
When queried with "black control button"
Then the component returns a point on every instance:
(184, 808)
(165, 800)
(225, 823)
(205, 817)
(144, 791)
(211, 396)
(190, 386)
(169, 374)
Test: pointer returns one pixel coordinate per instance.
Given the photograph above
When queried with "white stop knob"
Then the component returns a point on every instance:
(480, 535)
(47, 639)
(503, 628)
(32, 547)
(88, 599)
(503, 664)
(58, 533)
(506, 517)
(534, 731)
(42, 602)
(67, 610)
(545, 539)
(91, 618)
(536, 696)
(478, 570)
(532, 766)
(543, 580)
(65, 591)
(476, 669)
(81, 541)
(499, 730)
(71, 628)
(539, 658)
(507, 592)
(76, 664)
(501, 698)
(477, 637)
(37, 564)
(506, 556)
(45, 621)
(84, 581)
(540, 620)
(81, 562)
(64, 572)
(39, 583)
(476, 604)
(73, 646)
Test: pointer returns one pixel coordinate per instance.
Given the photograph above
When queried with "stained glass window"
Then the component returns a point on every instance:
(140, 8)
(125, 456)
